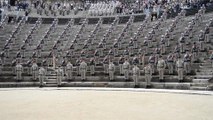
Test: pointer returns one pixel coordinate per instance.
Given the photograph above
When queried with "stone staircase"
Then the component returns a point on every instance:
(202, 78)
(51, 78)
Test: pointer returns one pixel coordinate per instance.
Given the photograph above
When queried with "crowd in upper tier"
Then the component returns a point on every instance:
(100, 8)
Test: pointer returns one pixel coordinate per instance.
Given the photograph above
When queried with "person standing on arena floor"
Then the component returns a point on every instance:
(161, 65)
(60, 75)
(111, 70)
(170, 63)
(83, 69)
(126, 68)
(92, 66)
(136, 74)
(180, 65)
(19, 70)
(106, 64)
(34, 70)
(187, 63)
(69, 70)
(148, 75)
(42, 76)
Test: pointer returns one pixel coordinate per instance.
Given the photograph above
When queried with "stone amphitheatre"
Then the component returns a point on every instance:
(53, 41)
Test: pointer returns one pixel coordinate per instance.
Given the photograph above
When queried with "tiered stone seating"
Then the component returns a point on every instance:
(198, 80)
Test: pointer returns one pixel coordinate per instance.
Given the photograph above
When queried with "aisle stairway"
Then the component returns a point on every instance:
(202, 78)
(51, 76)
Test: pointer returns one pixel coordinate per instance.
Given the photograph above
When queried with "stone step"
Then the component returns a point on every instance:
(205, 64)
(203, 76)
(208, 66)
(48, 84)
(99, 84)
(205, 70)
(18, 84)
(198, 88)
(200, 81)
(51, 77)
(204, 73)
(157, 85)
(199, 84)
(51, 80)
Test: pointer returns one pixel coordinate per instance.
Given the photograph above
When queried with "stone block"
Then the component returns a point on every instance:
(200, 80)
(183, 86)
(158, 85)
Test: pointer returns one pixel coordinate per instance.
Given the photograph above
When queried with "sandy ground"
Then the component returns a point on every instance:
(42, 104)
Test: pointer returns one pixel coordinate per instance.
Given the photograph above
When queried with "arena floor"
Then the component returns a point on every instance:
(104, 104)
